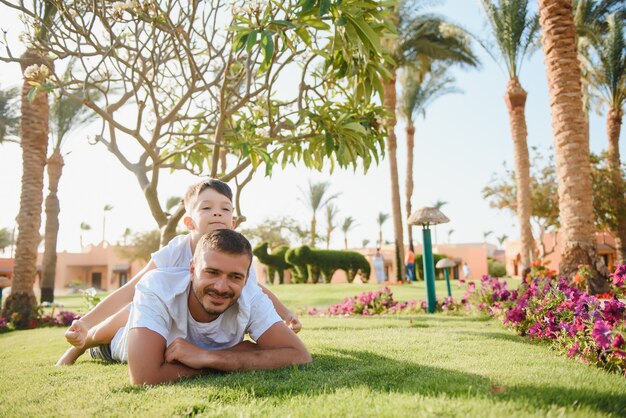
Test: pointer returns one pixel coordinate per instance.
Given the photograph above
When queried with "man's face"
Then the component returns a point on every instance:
(211, 211)
(217, 280)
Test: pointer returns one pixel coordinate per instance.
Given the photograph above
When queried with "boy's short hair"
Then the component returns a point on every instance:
(195, 189)
(225, 241)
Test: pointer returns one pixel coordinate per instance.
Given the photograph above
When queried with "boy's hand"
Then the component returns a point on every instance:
(293, 322)
(77, 333)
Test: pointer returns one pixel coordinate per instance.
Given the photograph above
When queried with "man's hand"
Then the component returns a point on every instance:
(77, 333)
(186, 353)
(293, 322)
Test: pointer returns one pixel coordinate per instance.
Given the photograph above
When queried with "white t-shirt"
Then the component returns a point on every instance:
(161, 305)
(177, 253)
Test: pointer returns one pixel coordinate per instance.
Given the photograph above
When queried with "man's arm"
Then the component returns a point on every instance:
(290, 319)
(277, 347)
(109, 306)
(146, 360)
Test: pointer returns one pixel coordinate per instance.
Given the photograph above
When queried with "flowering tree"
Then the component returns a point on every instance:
(222, 88)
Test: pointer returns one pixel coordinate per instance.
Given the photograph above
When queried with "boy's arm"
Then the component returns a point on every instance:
(277, 347)
(109, 306)
(290, 319)
(146, 360)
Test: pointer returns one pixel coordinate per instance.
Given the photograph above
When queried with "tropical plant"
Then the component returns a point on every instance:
(331, 213)
(9, 119)
(314, 198)
(501, 239)
(365, 242)
(83, 227)
(515, 31)
(347, 224)
(276, 232)
(380, 220)
(105, 209)
(486, 234)
(142, 245)
(571, 144)
(609, 79)
(419, 90)
(190, 82)
(67, 113)
(5, 239)
(450, 232)
(36, 68)
(422, 39)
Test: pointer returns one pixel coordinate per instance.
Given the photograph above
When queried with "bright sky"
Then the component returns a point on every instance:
(461, 143)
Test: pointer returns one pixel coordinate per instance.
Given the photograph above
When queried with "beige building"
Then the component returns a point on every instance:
(552, 245)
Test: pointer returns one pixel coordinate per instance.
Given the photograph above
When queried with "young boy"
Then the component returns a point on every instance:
(208, 207)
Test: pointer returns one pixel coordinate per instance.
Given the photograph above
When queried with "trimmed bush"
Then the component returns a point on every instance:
(495, 268)
(275, 261)
(310, 264)
(419, 264)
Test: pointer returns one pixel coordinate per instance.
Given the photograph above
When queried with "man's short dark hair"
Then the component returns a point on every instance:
(225, 241)
(194, 190)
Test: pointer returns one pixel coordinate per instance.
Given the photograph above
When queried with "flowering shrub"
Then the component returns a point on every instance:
(579, 325)
(539, 269)
(489, 297)
(62, 318)
(382, 302)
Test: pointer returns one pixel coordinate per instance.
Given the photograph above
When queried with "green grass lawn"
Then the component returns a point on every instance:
(420, 365)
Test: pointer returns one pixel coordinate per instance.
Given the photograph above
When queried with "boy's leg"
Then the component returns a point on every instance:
(102, 333)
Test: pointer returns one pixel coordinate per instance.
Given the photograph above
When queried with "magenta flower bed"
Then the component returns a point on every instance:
(61, 318)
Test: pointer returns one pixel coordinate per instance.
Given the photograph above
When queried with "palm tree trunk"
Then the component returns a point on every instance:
(614, 126)
(515, 99)
(313, 237)
(571, 143)
(34, 143)
(55, 169)
(389, 87)
(410, 145)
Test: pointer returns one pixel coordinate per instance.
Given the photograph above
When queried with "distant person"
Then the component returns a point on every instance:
(186, 322)
(466, 271)
(208, 206)
(410, 266)
(379, 266)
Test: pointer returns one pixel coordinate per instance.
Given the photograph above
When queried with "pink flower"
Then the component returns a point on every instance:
(601, 333)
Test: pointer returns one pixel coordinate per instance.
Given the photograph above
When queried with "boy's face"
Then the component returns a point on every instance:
(210, 212)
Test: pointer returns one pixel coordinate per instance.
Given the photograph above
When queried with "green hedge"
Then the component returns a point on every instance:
(275, 261)
(495, 268)
(310, 264)
(419, 265)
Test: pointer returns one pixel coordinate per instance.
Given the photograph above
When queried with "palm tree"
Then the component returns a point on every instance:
(9, 119)
(107, 208)
(609, 78)
(501, 239)
(486, 234)
(35, 109)
(83, 227)
(450, 232)
(331, 212)
(67, 114)
(419, 90)
(365, 242)
(437, 205)
(571, 144)
(515, 31)
(381, 219)
(127, 233)
(346, 226)
(421, 39)
(5, 239)
(316, 197)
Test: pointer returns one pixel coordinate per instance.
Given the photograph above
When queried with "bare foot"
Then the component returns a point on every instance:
(70, 356)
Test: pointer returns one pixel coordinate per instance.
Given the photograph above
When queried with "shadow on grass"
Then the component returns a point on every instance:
(362, 369)
(498, 335)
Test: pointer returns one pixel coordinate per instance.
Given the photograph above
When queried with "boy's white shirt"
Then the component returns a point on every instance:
(162, 294)
(161, 305)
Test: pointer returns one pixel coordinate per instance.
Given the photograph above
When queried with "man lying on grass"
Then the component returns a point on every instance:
(179, 328)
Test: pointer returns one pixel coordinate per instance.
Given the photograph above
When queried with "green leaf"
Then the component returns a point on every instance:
(366, 33)
(356, 127)
(307, 6)
(251, 41)
(315, 22)
(329, 144)
(303, 33)
(324, 7)
(281, 22)
(267, 43)
(32, 93)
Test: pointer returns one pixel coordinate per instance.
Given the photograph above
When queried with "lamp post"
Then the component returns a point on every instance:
(427, 217)
(445, 264)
